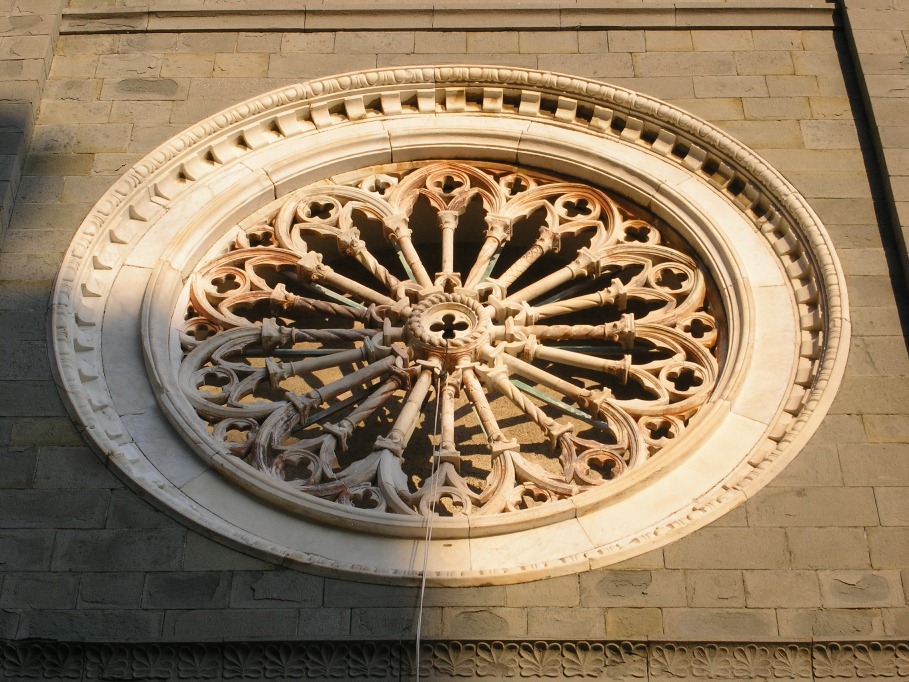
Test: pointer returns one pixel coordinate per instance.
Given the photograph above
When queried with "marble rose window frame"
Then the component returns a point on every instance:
(780, 286)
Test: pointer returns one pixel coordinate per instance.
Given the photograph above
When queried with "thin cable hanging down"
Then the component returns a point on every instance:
(437, 448)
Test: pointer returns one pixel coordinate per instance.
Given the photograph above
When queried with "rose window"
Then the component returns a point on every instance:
(448, 338)
(464, 324)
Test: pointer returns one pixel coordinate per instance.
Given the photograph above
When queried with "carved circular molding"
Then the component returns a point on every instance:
(190, 223)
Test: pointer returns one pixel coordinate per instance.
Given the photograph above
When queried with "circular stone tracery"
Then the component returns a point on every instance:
(769, 349)
(568, 347)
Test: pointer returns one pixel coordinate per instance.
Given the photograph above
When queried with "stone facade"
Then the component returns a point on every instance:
(810, 577)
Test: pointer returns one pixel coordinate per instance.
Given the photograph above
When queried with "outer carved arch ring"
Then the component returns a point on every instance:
(127, 264)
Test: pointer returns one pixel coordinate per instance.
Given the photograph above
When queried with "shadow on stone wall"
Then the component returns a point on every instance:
(16, 124)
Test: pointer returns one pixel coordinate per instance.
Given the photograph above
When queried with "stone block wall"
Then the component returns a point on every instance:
(820, 555)
(28, 30)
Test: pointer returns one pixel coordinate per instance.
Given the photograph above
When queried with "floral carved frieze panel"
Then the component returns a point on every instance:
(485, 324)
(467, 659)
(271, 326)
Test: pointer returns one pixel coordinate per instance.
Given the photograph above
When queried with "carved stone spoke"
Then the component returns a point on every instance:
(563, 340)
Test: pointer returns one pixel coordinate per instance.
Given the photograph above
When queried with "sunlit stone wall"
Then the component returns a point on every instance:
(820, 555)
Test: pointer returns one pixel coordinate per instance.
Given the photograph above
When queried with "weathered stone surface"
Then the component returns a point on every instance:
(792, 86)
(860, 589)
(889, 547)
(213, 625)
(46, 431)
(9, 624)
(450, 42)
(624, 41)
(767, 589)
(323, 623)
(816, 465)
(730, 548)
(764, 63)
(776, 108)
(831, 623)
(203, 554)
(611, 65)
(300, 66)
(715, 588)
(633, 588)
(896, 621)
(491, 595)
(40, 190)
(493, 42)
(829, 134)
(72, 468)
(394, 623)
(127, 510)
(127, 550)
(188, 65)
(311, 43)
(886, 428)
(258, 589)
(206, 42)
(144, 88)
(39, 591)
(196, 590)
(138, 43)
(74, 90)
(818, 506)
(774, 134)
(732, 86)
(53, 508)
(554, 592)
(709, 623)
(261, 42)
(737, 39)
(30, 266)
(569, 622)
(128, 65)
(634, 622)
(596, 42)
(814, 548)
(111, 590)
(245, 65)
(17, 467)
(893, 505)
(684, 64)
(348, 593)
(875, 464)
(26, 550)
(479, 623)
(547, 42)
(666, 41)
(714, 109)
(92, 626)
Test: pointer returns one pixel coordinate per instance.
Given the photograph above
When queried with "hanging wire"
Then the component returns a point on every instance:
(440, 380)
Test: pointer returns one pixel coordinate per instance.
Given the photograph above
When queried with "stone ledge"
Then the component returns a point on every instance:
(626, 660)
(472, 16)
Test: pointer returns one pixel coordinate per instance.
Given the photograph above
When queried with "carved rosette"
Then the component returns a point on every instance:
(562, 340)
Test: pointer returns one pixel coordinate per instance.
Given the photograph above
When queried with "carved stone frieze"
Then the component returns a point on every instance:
(231, 222)
(622, 660)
